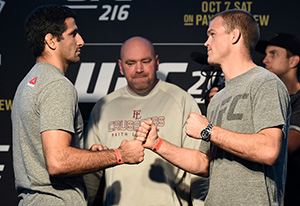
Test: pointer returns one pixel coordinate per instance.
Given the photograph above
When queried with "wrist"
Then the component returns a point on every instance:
(157, 145)
(119, 157)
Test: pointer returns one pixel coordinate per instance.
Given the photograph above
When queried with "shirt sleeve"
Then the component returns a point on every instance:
(271, 106)
(57, 106)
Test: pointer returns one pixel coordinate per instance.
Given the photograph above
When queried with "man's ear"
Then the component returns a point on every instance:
(120, 66)
(294, 61)
(50, 41)
(236, 35)
(157, 62)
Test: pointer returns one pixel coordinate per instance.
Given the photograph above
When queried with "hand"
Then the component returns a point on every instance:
(98, 147)
(195, 124)
(147, 133)
(212, 92)
(132, 151)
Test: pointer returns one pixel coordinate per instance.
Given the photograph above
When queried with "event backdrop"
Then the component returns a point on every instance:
(176, 28)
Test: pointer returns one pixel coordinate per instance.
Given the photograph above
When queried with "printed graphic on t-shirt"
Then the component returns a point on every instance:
(122, 127)
(227, 111)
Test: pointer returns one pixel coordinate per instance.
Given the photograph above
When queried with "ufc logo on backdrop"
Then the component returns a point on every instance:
(105, 77)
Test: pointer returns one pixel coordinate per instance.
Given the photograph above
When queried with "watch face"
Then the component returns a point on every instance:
(205, 134)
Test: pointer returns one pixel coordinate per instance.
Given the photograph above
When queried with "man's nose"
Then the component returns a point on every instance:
(139, 67)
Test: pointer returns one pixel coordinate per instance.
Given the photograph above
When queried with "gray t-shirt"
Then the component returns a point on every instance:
(45, 100)
(249, 103)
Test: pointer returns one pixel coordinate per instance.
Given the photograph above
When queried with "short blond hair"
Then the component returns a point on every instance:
(244, 21)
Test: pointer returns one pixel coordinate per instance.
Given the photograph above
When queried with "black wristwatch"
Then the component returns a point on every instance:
(206, 132)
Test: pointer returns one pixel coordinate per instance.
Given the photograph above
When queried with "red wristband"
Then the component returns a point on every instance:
(119, 158)
(158, 144)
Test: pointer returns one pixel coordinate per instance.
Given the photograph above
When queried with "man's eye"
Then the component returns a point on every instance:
(147, 61)
(274, 53)
(211, 34)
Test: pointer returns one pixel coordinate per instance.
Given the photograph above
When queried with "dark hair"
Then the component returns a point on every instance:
(43, 20)
(244, 21)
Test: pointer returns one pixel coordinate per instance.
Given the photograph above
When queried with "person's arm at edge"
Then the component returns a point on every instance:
(293, 141)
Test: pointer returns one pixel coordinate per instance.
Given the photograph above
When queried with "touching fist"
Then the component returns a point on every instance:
(195, 124)
(147, 133)
(132, 151)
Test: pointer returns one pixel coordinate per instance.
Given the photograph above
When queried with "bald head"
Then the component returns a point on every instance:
(135, 43)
